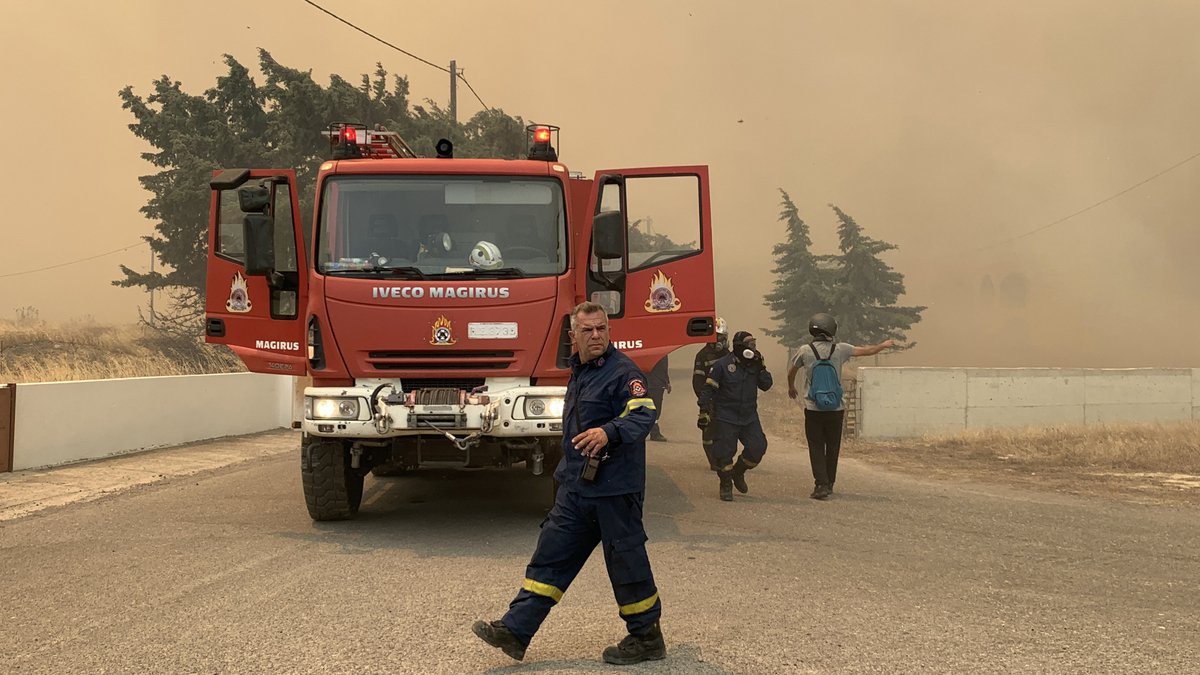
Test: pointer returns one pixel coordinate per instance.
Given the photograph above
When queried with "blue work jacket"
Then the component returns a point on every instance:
(731, 391)
(611, 393)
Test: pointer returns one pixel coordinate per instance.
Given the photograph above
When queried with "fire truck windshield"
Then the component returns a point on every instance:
(425, 226)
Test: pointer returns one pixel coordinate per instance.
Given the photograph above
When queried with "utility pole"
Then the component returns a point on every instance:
(151, 289)
(453, 92)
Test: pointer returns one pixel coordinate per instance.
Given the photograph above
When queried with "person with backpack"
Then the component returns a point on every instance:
(824, 409)
(729, 405)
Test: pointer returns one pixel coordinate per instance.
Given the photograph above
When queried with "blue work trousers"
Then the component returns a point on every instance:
(569, 535)
(725, 443)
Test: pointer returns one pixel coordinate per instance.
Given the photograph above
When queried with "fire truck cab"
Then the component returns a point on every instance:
(429, 299)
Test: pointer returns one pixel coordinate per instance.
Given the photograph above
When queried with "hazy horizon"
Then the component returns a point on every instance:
(948, 129)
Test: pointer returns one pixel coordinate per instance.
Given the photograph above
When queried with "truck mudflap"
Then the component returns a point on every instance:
(386, 411)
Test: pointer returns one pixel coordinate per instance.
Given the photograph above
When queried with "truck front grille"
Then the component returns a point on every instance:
(455, 383)
(441, 360)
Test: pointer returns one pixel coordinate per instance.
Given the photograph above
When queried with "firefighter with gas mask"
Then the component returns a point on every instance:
(729, 406)
(705, 358)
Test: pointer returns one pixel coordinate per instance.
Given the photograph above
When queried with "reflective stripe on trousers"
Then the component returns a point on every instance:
(569, 535)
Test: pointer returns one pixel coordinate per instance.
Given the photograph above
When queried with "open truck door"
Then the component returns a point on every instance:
(256, 286)
(651, 261)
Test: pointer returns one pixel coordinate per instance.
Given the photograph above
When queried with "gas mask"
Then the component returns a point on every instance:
(745, 346)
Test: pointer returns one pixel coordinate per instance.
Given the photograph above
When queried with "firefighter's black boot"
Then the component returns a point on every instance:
(726, 485)
(637, 648)
(498, 635)
(739, 476)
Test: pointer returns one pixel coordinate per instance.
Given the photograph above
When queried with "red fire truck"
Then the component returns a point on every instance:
(429, 298)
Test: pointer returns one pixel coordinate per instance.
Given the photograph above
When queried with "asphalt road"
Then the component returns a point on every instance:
(203, 559)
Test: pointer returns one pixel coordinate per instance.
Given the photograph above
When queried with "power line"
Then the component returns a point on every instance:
(406, 53)
(1089, 208)
(73, 262)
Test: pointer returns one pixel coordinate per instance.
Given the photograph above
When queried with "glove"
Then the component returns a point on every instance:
(756, 362)
(703, 419)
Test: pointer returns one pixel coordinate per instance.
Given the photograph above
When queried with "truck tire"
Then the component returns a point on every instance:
(332, 490)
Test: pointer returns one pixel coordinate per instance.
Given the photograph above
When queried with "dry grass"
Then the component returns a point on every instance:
(1130, 459)
(1119, 447)
(33, 351)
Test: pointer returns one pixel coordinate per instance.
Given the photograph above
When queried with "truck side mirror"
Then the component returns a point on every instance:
(608, 235)
(258, 238)
(254, 199)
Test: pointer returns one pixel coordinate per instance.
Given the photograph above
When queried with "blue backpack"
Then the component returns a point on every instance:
(825, 389)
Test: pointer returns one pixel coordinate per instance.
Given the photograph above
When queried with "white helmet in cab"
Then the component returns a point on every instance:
(722, 327)
(485, 256)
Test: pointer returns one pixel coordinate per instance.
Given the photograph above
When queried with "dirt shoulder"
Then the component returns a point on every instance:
(932, 460)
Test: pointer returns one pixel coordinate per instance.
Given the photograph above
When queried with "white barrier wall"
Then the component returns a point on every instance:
(908, 402)
(59, 422)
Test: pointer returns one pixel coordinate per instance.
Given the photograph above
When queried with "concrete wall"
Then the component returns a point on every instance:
(908, 402)
(60, 422)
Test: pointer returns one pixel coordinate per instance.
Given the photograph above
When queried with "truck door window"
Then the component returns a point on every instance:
(229, 228)
(612, 300)
(663, 217)
(285, 237)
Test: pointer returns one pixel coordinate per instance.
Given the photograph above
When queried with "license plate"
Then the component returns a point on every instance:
(492, 331)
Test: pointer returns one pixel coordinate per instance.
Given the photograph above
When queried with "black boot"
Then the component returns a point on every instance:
(498, 635)
(739, 476)
(637, 648)
(726, 485)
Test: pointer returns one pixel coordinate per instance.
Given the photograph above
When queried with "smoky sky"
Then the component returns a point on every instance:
(949, 129)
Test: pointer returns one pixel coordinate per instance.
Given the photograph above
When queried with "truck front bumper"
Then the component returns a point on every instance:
(381, 412)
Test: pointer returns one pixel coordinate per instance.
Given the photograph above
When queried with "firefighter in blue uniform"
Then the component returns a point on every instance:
(602, 483)
(729, 405)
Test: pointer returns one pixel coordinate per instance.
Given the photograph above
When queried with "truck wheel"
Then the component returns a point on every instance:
(332, 490)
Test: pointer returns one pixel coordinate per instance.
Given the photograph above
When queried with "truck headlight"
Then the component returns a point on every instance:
(319, 408)
(548, 406)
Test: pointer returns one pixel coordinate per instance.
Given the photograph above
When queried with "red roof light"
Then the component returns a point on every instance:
(541, 135)
(349, 134)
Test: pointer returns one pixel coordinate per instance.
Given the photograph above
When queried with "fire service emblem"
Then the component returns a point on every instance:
(637, 388)
(239, 295)
(662, 295)
(443, 332)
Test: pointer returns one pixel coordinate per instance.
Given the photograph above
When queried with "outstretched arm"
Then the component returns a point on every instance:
(873, 349)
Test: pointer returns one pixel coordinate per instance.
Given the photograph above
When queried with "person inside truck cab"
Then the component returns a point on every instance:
(524, 241)
(389, 238)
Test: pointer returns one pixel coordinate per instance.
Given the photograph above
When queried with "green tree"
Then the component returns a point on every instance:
(801, 280)
(865, 288)
(282, 123)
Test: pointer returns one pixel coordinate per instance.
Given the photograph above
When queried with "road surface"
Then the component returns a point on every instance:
(202, 559)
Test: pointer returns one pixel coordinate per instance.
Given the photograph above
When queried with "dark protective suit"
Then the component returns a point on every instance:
(608, 392)
(657, 382)
(705, 358)
(731, 394)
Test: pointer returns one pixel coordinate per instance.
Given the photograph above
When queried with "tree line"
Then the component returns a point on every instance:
(282, 123)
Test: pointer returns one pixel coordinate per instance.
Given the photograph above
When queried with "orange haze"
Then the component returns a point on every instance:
(940, 126)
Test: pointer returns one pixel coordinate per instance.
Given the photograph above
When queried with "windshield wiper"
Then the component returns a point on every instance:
(402, 272)
(502, 273)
